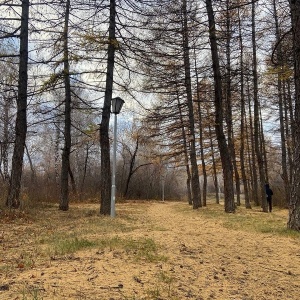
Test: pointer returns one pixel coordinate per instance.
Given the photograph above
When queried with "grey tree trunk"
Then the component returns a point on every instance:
(131, 165)
(257, 132)
(57, 154)
(64, 196)
(215, 175)
(294, 208)
(251, 151)
(5, 143)
(199, 99)
(105, 180)
(196, 193)
(288, 131)
(186, 157)
(86, 159)
(291, 142)
(223, 147)
(230, 133)
(204, 187)
(13, 198)
(280, 87)
(243, 119)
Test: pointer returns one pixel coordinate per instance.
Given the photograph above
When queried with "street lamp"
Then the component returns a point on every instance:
(116, 105)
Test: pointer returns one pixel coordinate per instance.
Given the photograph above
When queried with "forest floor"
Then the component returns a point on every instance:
(151, 250)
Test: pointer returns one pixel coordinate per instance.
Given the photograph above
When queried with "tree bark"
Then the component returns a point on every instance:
(294, 207)
(64, 196)
(204, 187)
(280, 84)
(230, 133)
(105, 180)
(5, 144)
(131, 166)
(196, 193)
(243, 118)
(257, 132)
(13, 198)
(215, 175)
(251, 150)
(223, 147)
(186, 157)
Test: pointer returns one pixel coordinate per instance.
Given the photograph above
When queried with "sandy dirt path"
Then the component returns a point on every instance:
(197, 258)
(218, 263)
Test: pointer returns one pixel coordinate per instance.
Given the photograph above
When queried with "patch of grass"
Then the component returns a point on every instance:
(31, 293)
(163, 288)
(167, 280)
(141, 249)
(6, 269)
(248, 220)
(252, 220)
(70, 246)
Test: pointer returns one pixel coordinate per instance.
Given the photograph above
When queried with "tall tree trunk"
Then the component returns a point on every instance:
(257, 140)
(57, 154)
(64, 196)
(263, 147)
(228, 115)
(33, 175)
(223, 147)
(186, 157)
(280, 84)
(243, 117)
(289, 138)
(251, 151)
(131, 166)
(13, 198)
(5, 144)
(204, 187)
(294, 208)
(291, 141)
(196, 194)
(215, 174)
(84, 169)
(105, 180)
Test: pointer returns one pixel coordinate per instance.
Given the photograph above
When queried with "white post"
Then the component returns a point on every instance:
(113, 185)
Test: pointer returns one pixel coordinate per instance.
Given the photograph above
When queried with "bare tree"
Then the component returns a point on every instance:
(104, 126)
(223, 147)
(13, 198)
(64, 198)
(294, 208)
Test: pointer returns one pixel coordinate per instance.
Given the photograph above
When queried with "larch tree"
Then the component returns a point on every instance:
(8, 92)
(218, 100)
(64, 197)
(196, 194)
(243, 132)
(294, 207)
(104, 126)
(13, 198)
(257, 128)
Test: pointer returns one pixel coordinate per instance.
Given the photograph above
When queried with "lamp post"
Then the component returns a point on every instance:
(116, 105)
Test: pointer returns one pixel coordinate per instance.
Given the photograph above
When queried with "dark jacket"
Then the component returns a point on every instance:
(269, 192)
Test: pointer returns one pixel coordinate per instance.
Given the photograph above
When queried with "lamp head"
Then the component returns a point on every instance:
(116, 105)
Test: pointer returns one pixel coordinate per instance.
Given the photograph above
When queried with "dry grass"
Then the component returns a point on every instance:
(152, 250)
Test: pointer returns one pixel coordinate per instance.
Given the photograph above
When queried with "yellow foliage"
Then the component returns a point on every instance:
(283, 72)
(98, 41)
(51, 81)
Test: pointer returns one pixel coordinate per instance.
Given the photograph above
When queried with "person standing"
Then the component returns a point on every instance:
(269, 194)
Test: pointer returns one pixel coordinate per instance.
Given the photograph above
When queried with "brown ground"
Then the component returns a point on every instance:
(196, 257)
